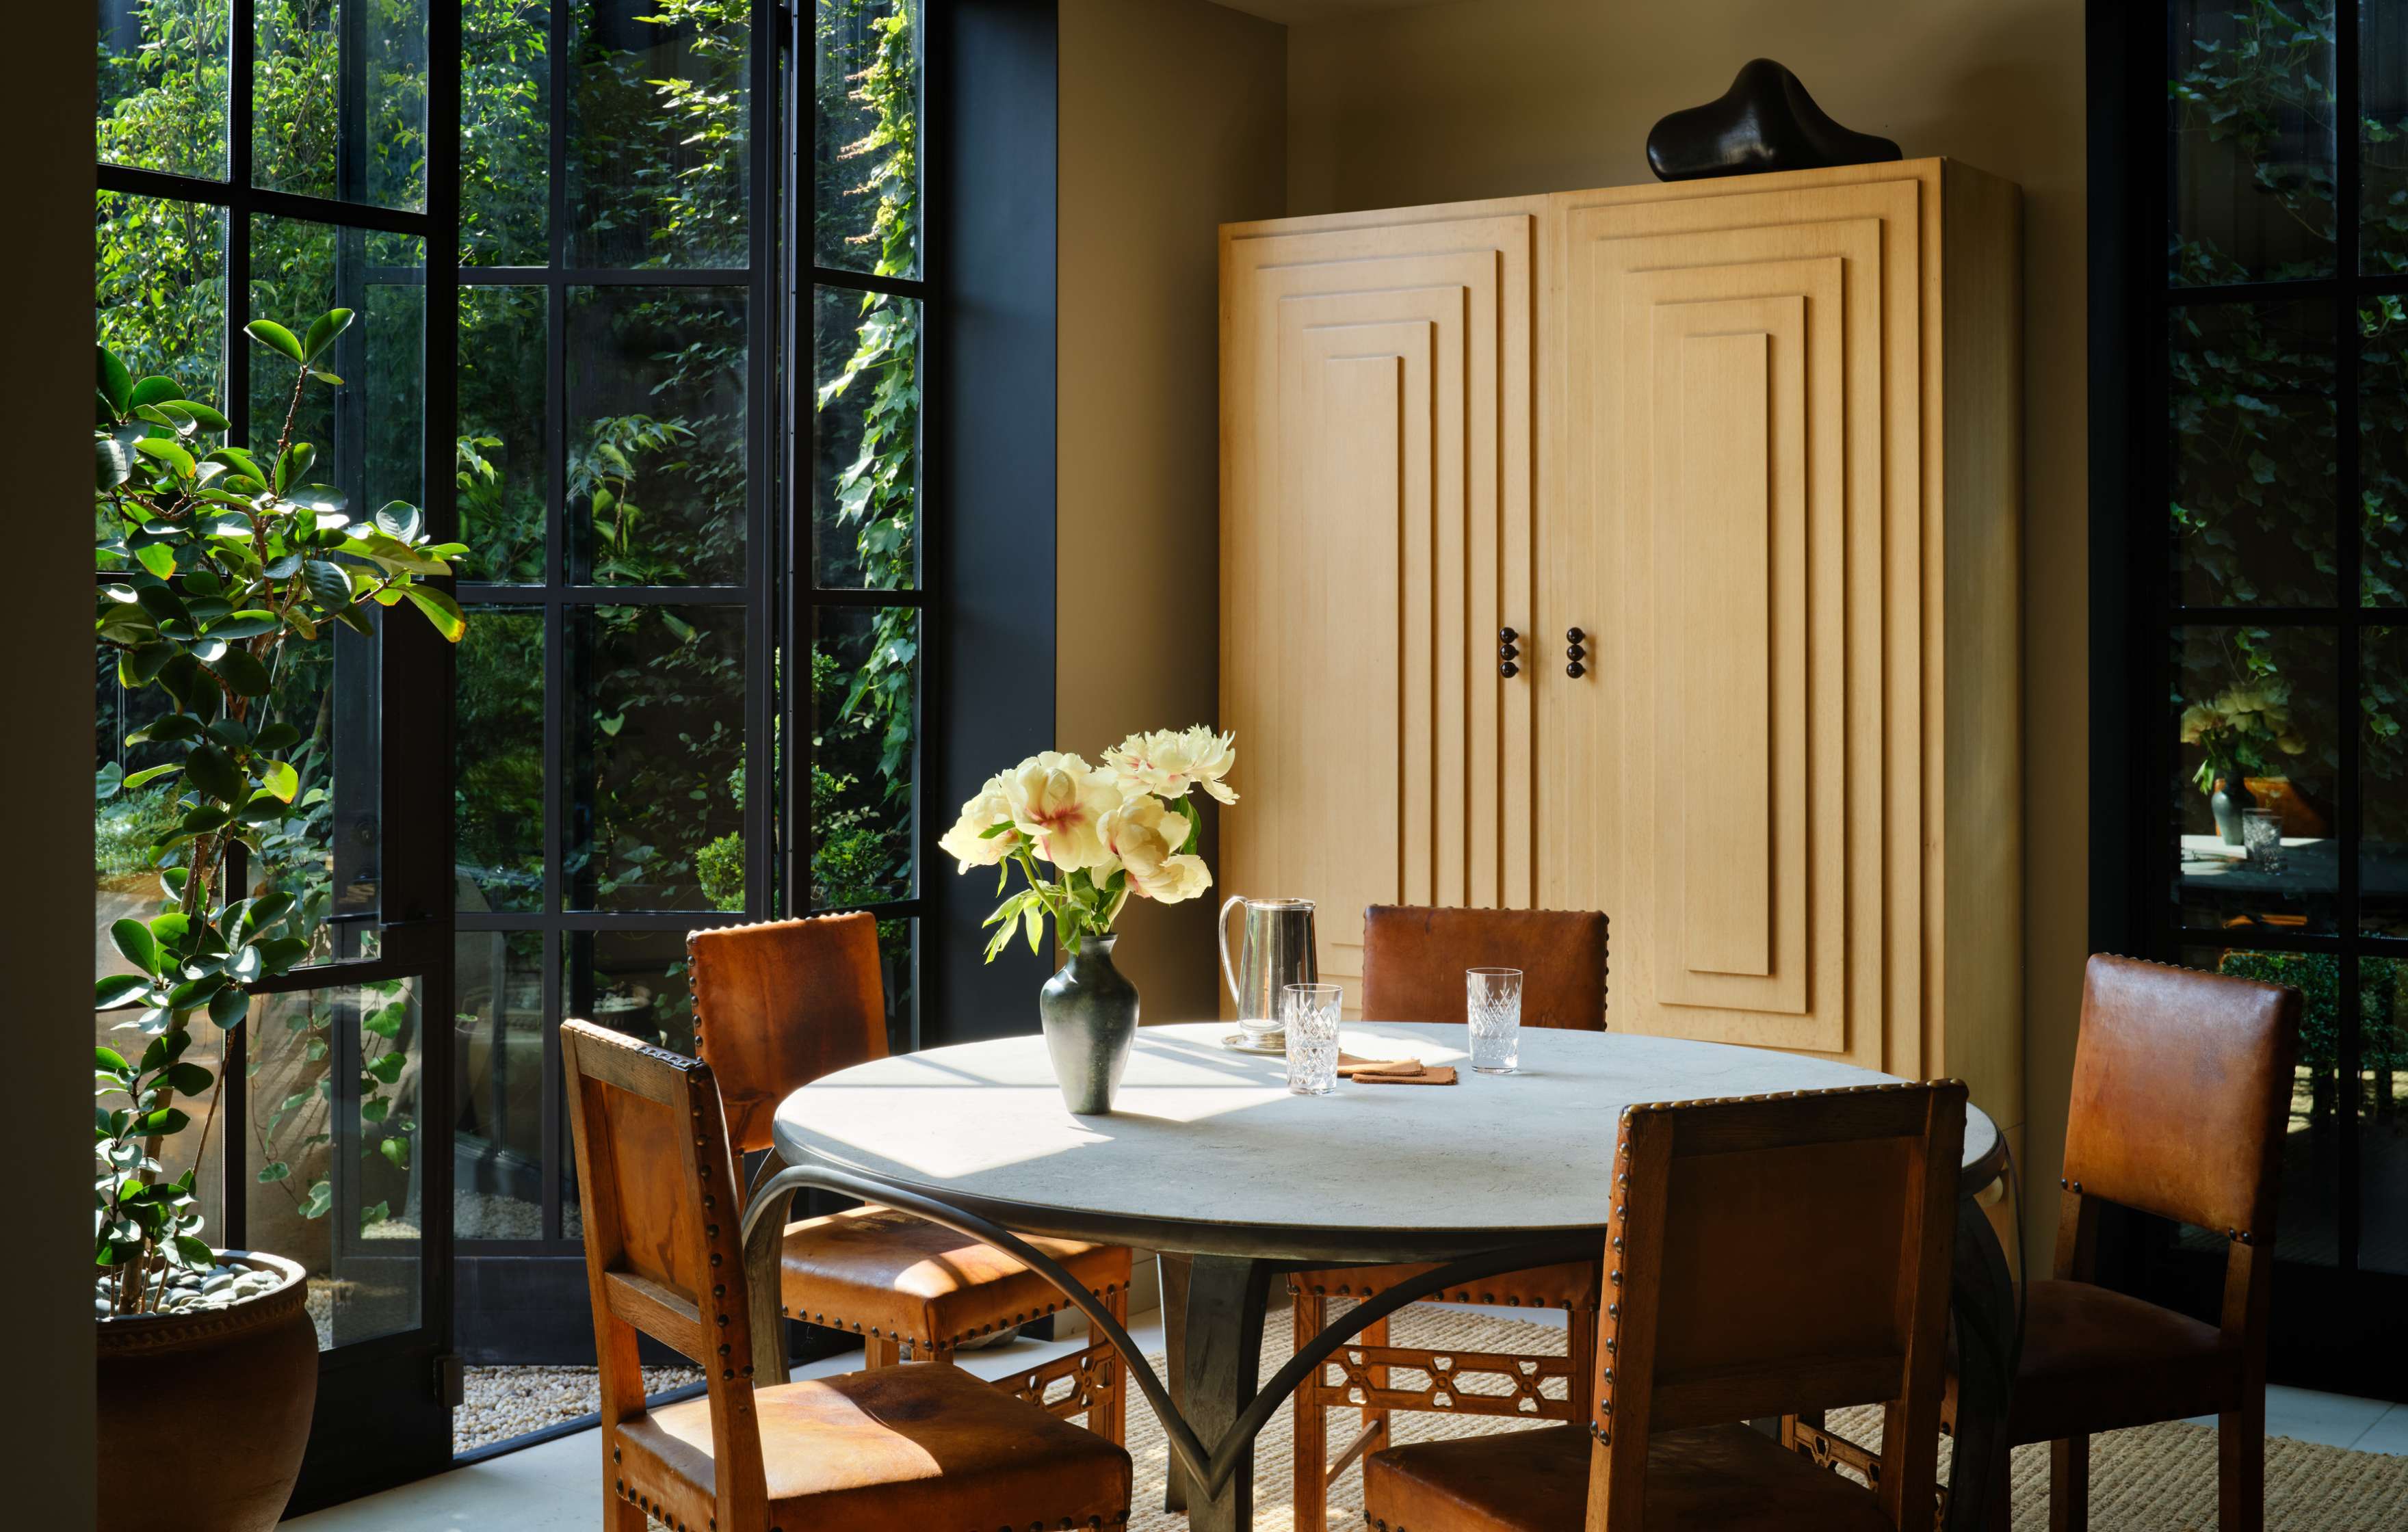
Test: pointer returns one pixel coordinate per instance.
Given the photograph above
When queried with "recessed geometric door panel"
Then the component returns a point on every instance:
(1376, 539)
(1728, 422)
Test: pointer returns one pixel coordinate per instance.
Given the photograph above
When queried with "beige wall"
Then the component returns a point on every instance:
(1491, 97)
(1172, 122)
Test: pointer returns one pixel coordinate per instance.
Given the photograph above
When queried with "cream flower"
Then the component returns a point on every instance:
(1145, 835)
(1169, 762)
(1058, 801)
(967, 842)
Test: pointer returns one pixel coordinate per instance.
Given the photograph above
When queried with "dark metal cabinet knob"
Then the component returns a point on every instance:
(1507, 653)
(1574, 652)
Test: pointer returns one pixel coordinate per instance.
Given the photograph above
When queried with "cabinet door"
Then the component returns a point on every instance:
(1376, 516)
(1738, 526)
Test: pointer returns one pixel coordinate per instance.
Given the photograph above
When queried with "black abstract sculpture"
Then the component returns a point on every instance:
(1765, 122)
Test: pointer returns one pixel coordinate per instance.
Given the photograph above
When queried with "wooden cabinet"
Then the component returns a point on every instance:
(1757, 440)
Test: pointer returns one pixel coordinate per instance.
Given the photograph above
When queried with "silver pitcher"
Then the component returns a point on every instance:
(1277, 951)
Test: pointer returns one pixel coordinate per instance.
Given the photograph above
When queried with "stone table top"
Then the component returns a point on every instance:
(1205, 1150)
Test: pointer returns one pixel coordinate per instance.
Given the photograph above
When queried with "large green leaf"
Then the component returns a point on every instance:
(119, 989)
(331, 324)
(113, 463)
(440, 609)
(133, 939)
(116, 384)
(328, 582)
(276, 338)
(213, 771)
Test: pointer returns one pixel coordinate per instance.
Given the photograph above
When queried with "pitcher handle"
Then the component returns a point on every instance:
(1228, 970)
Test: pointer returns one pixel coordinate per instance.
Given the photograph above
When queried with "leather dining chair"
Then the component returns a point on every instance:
(1729, 1221)
(776, 1006)
(1413, 964)
(2182, 1088)
(893, 1447)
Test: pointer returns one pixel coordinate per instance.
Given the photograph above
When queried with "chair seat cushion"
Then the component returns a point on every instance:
(2098, 1360)
(922, 1445)
(1701, 1480)
(873, 1271)
(1571, 1284)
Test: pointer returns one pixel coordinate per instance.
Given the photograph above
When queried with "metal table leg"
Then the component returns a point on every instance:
(1226, 1298)
(1983, 1307)
(1172, 1268)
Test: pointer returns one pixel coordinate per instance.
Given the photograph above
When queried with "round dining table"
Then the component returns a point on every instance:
(1208, 1158)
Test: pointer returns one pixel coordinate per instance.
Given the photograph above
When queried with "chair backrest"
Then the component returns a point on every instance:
(664, 1241)
(2181, 1083)
(1774, 1255)
(1414, 958)
(779, 1005)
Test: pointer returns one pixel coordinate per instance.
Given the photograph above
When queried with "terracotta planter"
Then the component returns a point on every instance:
(204, 1415)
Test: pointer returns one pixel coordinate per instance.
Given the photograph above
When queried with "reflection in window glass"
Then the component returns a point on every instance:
(2382, 138)
(498, 773)
(899, 956)
(159, 289)
(163, 85)
(300, 141)
(500, 456)
(2383, 1113)
(865, 714)
(656, 461)
(497, 1054)
(657, 754)
(2383, 781)
(2258, 713)
(2251, 109)
(2251, 402)
(505, 132)
(2309, 1231)
(865, 477)
(336, 1093)
(659, 125)
(865, 135)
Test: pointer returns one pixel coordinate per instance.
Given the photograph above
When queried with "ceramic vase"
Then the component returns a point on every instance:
(2230, 796)
(1089, 1010)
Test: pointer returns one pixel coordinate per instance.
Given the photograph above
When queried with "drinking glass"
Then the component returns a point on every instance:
(2261, 837)
(1310, 1014)
(1494, 1010)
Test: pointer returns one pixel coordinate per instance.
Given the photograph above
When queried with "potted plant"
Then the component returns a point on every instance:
(223, 562)
(2233, 733)
(1125, 829)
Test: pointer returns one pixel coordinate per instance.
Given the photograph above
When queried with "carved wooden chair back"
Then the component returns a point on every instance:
(779, 1004)
(664, 1246)
(1414, 958)
(1778, 1254)
(2182, 1087)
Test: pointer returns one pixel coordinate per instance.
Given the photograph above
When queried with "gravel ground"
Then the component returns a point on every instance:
(504, 1402)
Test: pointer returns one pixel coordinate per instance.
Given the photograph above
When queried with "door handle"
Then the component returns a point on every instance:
(1574, 651)
(1507, 654)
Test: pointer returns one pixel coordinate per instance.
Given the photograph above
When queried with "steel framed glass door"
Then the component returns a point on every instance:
(2251, 417)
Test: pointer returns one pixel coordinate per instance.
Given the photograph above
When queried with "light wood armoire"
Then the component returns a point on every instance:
(1757, 440)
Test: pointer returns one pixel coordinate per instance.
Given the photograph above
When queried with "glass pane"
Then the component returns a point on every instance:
(656, 412)
(502, 450)
(2257, 711)
(370, 431)
(866, 135)
(2310, 1229)
(2251, 404)
(313, 57)
(659, 127)
(159, 296)
(2252, 121)
(898, 954)
(159, 289)
(655, 754)
(2383, 451)
(2383, 137)
(498, 776)
(497, 1046)
(2383, 1114)
(865, 465)
(332, 1162)
(630, 982)
(163, 85)
(865, 733)
(505, 132)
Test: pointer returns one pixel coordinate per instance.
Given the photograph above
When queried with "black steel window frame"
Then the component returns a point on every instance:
(567, 994)
(372, 1430)
(2340, 1320)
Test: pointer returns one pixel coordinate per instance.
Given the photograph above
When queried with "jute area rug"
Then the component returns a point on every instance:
(2159, 1478)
